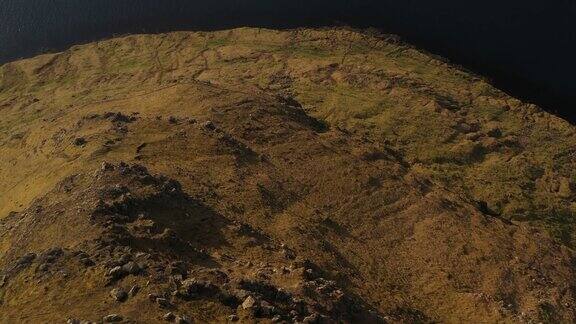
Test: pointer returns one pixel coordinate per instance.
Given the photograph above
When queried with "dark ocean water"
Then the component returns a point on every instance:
(528, 48)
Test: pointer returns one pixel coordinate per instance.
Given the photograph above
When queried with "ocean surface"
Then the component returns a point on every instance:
(527, 48)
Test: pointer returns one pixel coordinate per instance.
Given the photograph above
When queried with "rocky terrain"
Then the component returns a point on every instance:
(250, 175)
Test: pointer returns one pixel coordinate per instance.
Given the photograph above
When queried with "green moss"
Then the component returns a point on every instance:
(308, 51)
(216, 42)
(491, 112)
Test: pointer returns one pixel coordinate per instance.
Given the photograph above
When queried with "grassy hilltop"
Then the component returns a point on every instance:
(412, 189)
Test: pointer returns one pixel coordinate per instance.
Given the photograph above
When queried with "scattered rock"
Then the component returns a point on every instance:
(152, 297)
(494, 132)
(80, 141)
(312, 319)
(52, 254)
(169, 316)
(182, 319)
(209, 125)
(241, 294)
(119, 294)
(163, 302)
(192, 287)
(288, 253)
(119, 117)
(473, 136)
(134, 290)
(293, 313)
(177, 268)
(249, 302)
(87, 262)
(117, 272)
(112, 318)
(26, 259)
(142, 255)
(266, 309)
(464, 128)
(105, 166)
(490, 143)
(131, 268)
(125, 258)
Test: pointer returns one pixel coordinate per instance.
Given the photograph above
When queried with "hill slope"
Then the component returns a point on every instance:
(331, 175)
